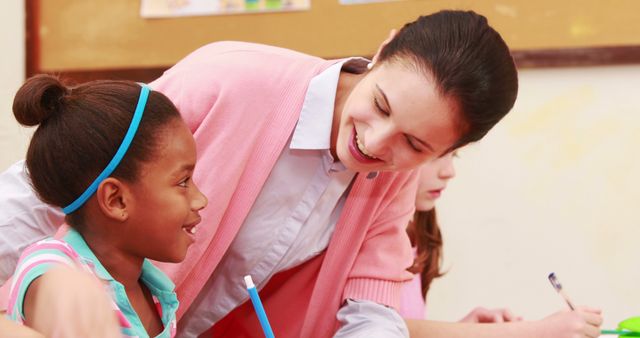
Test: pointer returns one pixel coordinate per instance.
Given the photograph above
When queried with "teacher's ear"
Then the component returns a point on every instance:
(392, 34)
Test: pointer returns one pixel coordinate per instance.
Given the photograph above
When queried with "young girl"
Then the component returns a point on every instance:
(118, 159)
(426, 238)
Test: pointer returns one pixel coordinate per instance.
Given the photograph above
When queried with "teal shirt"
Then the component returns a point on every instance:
(160, 286)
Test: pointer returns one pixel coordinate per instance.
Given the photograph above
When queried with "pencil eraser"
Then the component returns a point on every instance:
(249, 282)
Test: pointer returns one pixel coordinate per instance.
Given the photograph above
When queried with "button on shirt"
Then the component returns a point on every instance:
(294, 215)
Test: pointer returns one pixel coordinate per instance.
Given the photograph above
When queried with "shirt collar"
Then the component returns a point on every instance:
(151, 275)
(313, 131)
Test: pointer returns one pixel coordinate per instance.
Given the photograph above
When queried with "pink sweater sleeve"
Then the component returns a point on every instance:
(379, 271)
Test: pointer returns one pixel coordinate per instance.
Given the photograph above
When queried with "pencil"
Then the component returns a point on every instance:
(257, 305)
(556, 285)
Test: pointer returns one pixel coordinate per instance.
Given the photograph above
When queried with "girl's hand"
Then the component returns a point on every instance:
(483, 315)
(70, 303)
(581, 323)
(10, 329)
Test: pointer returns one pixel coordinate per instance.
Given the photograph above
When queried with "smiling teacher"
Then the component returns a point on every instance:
(307, 164)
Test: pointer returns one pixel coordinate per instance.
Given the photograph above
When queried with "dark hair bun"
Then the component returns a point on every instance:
(39, 98)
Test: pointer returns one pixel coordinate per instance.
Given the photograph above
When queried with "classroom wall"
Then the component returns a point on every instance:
(13, 139)
(553, 188)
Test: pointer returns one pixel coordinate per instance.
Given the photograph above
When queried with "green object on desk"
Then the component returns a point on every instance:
(631, 324)
(629, 327)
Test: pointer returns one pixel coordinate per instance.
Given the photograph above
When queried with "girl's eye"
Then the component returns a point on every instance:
(379, 107)
(184, 182)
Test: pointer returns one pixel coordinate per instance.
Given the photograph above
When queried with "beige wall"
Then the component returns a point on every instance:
(13, 139)
(554, 187)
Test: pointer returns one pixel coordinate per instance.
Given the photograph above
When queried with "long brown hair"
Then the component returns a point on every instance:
(469, 62)
(425, 236)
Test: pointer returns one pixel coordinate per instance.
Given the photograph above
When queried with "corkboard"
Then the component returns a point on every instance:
(110, 34)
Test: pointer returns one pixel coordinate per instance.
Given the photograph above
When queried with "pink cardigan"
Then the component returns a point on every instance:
(242, 101)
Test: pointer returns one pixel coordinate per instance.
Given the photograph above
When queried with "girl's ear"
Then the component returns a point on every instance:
(114, 199)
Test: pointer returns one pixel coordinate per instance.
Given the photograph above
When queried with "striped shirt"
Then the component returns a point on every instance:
(40, 257)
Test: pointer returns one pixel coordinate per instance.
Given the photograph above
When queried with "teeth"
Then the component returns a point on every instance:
(192, 230)
(361, 148)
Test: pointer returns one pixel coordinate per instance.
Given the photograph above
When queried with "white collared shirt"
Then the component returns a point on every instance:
(24, 219)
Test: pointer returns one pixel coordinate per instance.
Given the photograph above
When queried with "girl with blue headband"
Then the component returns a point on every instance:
(118, 159)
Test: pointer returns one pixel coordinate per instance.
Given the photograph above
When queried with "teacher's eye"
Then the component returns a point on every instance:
(379, 107)
(413, 146)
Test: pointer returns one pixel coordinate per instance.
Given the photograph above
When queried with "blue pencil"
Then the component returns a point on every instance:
(257, 305)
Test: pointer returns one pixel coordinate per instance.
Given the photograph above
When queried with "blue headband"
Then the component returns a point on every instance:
(122, 150)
